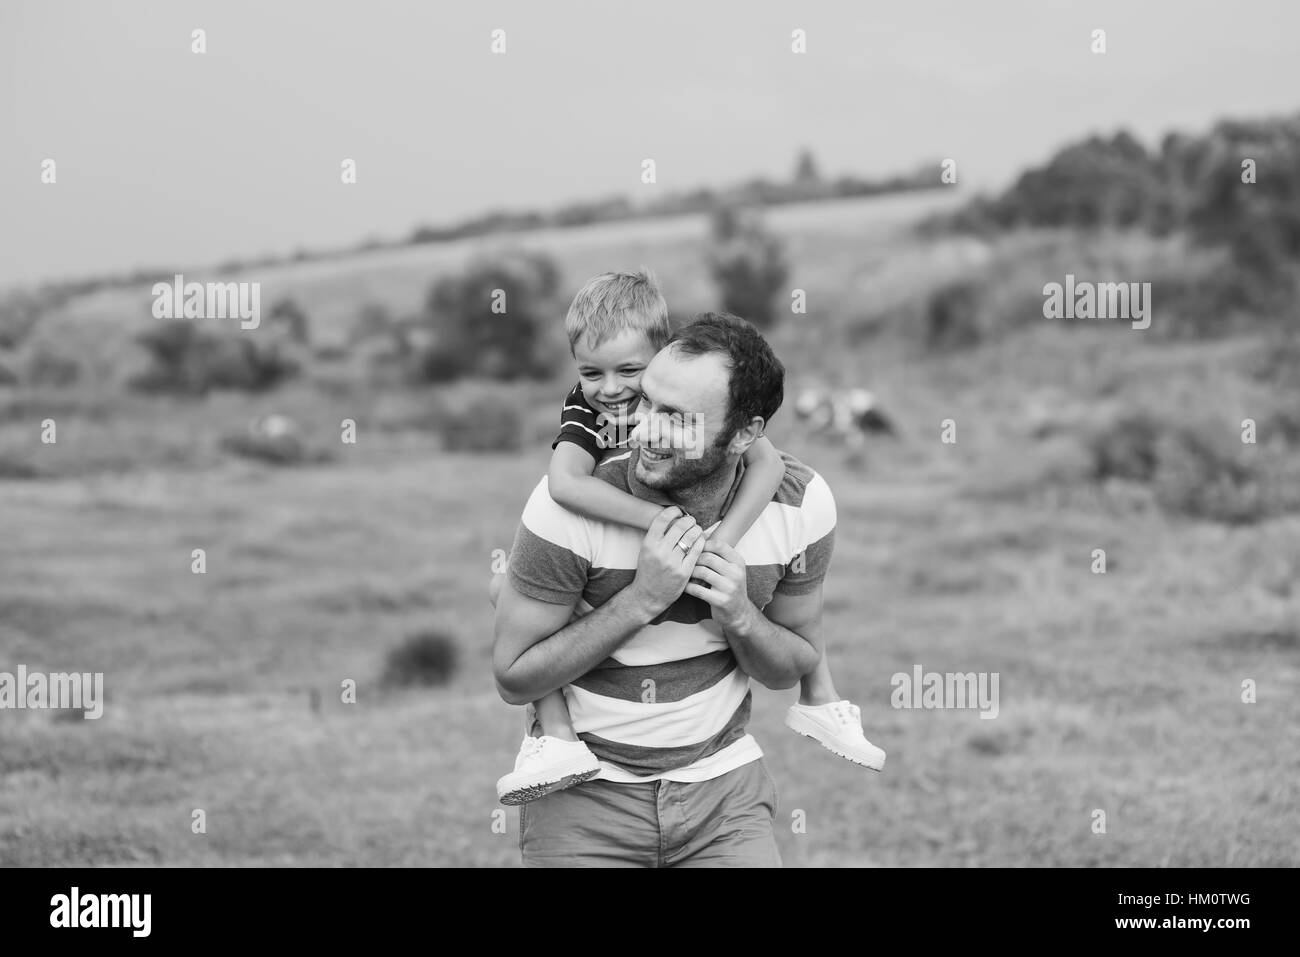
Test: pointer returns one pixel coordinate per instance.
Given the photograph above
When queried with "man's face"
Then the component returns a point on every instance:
(678, 423)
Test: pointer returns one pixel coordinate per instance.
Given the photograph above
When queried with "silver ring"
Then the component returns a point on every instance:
(684, 548)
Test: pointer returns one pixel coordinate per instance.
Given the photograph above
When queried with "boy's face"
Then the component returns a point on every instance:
(610, 374)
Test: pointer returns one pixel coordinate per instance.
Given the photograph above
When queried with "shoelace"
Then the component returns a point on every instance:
(849, 715)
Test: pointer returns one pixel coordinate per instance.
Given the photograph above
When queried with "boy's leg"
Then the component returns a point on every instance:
(817, 687)
(550, 712)
(823, 715)
(551, 757)
(553, 715)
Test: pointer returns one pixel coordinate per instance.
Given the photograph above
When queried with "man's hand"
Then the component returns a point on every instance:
(663, 567)
(722, 569)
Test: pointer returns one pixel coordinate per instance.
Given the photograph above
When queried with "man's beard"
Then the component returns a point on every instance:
(689, 472)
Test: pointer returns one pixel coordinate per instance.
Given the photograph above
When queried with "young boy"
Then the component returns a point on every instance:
(616, 324)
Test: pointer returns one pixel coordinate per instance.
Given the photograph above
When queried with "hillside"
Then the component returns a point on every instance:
(1120, 691)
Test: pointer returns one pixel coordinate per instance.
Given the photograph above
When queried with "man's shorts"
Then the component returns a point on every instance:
(723, 822)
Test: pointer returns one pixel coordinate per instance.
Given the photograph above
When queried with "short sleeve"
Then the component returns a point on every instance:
(551, 556)
(807, 569)
(578, 424)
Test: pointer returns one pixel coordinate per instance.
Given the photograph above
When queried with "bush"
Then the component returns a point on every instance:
(1260, 221)
(487, 426)
(1126, 450)
(747, 263)
(1277, 364)
(192, 362)
(19, 313)
(1221, 299)
(1192, 183)
(1200, 472)
(426, 659)
(275, 439)
(52, 369)
(287, 315)
(17, 469)
(469, 339)
(1197, 478)
(952, 315)
(1094, 183)
(374, 322)
(273, 450)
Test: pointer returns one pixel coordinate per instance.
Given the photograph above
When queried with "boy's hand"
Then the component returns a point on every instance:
(722, 569)
(663, 566)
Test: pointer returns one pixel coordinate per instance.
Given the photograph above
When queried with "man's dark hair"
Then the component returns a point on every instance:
(756, 384)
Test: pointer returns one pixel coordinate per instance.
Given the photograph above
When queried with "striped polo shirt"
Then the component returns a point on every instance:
(592, 431)
(671, 702)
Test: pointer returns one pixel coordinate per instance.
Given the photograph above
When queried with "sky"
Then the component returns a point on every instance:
(167, 157)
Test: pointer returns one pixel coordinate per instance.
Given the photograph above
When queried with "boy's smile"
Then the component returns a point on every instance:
(610, 373)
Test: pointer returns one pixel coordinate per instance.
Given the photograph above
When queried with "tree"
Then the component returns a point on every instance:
(488, 321)
(747, 263)
(805, 170)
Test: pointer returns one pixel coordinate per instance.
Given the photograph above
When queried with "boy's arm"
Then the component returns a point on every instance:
(764, 472)
(573, 486)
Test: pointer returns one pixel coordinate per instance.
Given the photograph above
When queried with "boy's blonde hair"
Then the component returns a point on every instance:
(614, 302)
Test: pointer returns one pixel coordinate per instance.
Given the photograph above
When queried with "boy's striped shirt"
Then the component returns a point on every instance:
(581, 425)
(671, 702)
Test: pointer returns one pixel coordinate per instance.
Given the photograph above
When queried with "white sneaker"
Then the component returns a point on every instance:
(544, 765)
(838, 726)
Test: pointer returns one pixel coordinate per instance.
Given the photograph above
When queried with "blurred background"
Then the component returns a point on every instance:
(777, 174)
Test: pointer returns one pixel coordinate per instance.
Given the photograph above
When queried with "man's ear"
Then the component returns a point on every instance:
(746, 436)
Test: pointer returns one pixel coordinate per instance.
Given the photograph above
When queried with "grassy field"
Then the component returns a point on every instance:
(1119, 692)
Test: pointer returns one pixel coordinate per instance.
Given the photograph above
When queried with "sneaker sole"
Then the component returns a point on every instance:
(531, 792)
(809, 729)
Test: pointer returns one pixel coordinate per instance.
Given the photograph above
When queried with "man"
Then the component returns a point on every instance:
(671, 627)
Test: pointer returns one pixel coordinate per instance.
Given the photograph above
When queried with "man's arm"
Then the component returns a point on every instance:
(535, 652)
(780, 644)
(776, 646)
